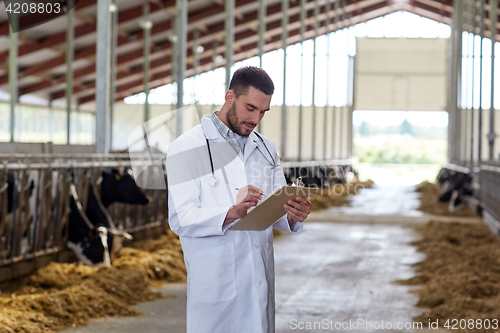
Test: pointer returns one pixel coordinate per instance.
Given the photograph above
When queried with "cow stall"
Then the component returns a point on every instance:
(35, 192)
(489, 178)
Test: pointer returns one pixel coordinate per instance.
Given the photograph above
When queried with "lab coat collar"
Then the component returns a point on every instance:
(211, 133)
(209, 129)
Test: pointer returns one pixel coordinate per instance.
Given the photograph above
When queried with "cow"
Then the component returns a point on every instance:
(10, 191)
(88, 239)
(13, 198)
(454, 182)
(121, 188)
(92, 234)
(456, 188)
(459, 198)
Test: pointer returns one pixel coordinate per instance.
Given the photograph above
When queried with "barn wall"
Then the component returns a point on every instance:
(42, 148)
(401, 74)
(128, 117)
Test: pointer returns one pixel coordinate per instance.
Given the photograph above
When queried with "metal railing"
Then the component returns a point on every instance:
(490, 194)
(36, 223)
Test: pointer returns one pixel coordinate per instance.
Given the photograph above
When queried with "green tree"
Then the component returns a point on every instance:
(406, 127)
(363, 128)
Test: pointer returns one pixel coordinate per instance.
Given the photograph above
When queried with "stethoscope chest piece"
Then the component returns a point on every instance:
(213, 181)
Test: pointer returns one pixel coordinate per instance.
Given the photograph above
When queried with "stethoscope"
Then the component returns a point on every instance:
(214, 181)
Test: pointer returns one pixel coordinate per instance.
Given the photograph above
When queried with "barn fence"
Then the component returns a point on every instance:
(34, 233)
(486, 185)
(489, 177)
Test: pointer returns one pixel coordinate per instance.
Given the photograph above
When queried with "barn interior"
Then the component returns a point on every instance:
(390, 107)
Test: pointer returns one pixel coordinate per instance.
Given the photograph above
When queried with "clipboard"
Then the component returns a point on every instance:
(271, 209)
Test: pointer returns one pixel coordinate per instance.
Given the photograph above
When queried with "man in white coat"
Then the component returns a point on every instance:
(216, 172)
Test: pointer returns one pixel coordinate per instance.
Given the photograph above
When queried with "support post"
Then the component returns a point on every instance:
(316, 13)
(350, 92)
(473, 25)
(180, 61)
(342, 108)
(301, 111)
(480, 115)
(229, 38)
(493, 27)
(325, 113)
(455, 85)
(262, 29)
(13, 84)
(458, 115)
(112, 71)
(51, 119)
(70, 50)
(284, 36)
(336, 25)
(78, 128)
(146, 26)
(102, 76)
(214, 64)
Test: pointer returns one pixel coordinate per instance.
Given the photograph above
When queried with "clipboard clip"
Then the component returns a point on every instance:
(298, 182)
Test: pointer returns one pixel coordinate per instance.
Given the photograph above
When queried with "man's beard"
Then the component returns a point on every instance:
(234, 123)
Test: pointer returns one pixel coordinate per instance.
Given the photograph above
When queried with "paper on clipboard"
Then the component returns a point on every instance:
(271, 209)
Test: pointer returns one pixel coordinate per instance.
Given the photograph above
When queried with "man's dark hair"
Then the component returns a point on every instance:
(250, 76)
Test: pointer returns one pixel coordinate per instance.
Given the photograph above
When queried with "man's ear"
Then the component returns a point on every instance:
(230, 97)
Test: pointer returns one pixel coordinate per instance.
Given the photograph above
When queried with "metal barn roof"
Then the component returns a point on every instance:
(41, 53)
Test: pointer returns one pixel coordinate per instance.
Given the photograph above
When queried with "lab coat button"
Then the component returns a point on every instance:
(259, 283)
(255, 245)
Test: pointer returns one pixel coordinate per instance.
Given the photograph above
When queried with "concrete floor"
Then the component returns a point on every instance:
(333, 273)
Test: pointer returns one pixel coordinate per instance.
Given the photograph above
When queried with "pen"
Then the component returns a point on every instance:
(237, 189)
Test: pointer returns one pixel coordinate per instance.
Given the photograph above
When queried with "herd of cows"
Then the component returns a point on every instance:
(95, 239)
(91, 232)
(321, 176)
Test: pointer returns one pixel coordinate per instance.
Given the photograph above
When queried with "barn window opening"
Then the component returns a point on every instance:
(400, 147)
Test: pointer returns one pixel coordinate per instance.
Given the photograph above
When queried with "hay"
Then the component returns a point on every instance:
(337, 195)
(62, 295)
(460, 276)
(429, 201)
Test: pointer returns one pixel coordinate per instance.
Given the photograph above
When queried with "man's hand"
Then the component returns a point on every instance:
(247, 197)
(298, 209)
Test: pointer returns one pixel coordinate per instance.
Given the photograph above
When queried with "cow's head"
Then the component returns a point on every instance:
(10, 191)
(116, 187)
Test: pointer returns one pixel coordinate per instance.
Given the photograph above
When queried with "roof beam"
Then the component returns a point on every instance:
(81, 30)
(4, 26)
(122, 17)
(249, 18)
(273, 43)
(137, 36)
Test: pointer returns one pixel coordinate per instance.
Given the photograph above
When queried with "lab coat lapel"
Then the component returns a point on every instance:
(212, 133)
(250, 145)
(209, 129)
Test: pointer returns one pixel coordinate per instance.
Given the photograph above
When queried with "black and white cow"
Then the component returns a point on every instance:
(92, 235)
(88, 238)
(14, 192)
(456, 188)
(10, 191)
(321, 176)
(121, 188)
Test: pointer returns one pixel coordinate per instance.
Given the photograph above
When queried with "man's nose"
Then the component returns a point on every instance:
(256, 118)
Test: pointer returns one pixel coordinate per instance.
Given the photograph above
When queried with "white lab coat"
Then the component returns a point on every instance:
(230, 284)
